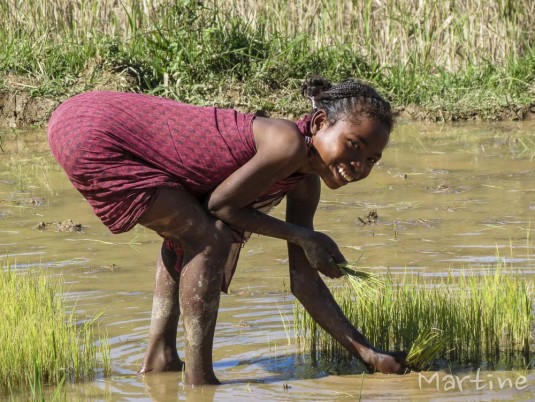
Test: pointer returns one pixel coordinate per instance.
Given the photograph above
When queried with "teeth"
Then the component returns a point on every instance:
(344, 174)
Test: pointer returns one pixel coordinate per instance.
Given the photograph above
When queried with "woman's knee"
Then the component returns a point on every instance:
(178, 216)
(218, 237)
(212, 237)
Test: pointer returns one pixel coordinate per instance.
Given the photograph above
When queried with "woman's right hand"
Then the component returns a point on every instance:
(322, 253)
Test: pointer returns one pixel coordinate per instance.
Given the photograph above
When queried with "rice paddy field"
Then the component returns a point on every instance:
(449, 207)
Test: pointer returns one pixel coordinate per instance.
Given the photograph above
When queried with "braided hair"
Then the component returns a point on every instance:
(348, 100)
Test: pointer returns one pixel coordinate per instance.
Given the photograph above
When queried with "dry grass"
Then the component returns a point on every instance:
(442, 33)
(46, 19)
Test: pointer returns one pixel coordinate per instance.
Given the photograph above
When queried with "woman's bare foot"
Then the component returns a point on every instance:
(161, 358)
(196, 379)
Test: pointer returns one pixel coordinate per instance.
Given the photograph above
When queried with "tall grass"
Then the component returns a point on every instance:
(430, 33)
(487, 317)
(40, 342)
(443, 33)
(452, 57)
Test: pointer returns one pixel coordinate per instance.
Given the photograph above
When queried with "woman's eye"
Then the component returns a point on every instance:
(354, 144)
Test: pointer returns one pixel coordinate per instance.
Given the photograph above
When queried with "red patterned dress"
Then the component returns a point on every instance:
(119, 148)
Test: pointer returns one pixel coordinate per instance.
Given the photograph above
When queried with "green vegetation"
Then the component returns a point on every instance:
(427, 347)
(41, 344)
(475, 317)
(450, 59)
(361, 282)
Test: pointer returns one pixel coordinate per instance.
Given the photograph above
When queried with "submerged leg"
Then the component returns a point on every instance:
(177, 215)
(161, 353)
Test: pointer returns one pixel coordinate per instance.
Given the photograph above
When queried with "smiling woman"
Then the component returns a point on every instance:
(203, 179)
(350, 125)
(347, 151)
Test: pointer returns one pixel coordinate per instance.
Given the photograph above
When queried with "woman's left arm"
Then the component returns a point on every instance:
(308, 287)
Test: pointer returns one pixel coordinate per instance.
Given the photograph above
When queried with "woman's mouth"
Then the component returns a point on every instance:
(344, 175)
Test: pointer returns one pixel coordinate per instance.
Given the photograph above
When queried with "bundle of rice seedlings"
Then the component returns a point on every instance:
(426, 348)
(361, 282)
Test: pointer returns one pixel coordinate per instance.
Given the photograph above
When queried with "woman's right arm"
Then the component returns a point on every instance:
(279, 154)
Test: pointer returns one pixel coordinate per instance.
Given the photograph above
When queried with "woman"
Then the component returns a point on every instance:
(203, 179)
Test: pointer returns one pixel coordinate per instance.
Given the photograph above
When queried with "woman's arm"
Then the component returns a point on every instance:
(308, 287)
(280, 152)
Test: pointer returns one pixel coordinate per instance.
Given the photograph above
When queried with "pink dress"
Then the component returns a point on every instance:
(119, 148)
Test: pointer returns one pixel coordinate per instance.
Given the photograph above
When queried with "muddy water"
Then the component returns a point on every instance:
(446, 197)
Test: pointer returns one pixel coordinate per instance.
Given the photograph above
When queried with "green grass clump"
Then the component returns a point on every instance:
(474, 317)
(41, 343)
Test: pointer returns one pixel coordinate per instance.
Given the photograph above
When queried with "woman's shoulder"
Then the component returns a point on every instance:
(280, 134)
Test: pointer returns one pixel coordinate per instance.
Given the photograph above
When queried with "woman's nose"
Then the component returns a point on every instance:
(357, 165)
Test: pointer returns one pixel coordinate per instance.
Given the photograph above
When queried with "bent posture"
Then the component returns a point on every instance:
(203, 179)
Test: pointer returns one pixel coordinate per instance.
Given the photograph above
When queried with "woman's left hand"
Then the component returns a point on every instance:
(323, 253)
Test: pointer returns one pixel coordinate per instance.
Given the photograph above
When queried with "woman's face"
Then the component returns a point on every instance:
(347, 152)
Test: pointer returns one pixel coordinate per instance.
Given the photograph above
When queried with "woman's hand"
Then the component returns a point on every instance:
(322, 253)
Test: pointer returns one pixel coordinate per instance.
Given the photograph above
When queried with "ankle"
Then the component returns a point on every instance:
(161, 356)
(201, 378)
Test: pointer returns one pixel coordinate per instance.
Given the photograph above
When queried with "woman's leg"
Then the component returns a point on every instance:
(177, 215)
(161, 353)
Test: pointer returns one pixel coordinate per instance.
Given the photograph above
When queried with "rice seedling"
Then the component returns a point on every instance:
(426, 348)
(42, 343)
(467, 317)
(38, 393)
(285, 325)
(31, 170)
(361, 282)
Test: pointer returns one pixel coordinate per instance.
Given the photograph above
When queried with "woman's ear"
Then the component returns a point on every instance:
(319, 119)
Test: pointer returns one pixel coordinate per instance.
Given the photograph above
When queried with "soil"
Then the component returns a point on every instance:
(64, 226)
(369, 218)
(416, 113)
(19, 108)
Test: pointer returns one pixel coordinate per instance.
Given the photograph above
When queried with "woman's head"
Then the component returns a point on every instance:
(351, 125)
(349, 100)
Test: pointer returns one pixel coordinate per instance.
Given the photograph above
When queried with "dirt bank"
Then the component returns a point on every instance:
(18, 108)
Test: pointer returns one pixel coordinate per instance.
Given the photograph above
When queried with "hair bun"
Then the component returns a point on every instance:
(314, 86)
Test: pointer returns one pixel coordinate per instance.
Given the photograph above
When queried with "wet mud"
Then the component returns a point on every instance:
(63, 226)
